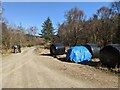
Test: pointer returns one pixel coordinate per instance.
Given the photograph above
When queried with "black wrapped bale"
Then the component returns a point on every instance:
(57, 49)
(110, 55)
(94, 50)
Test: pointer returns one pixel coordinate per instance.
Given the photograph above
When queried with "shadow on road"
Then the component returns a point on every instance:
(90, 63)
(46, 54)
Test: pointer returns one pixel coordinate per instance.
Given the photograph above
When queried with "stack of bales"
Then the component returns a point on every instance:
(109, 55)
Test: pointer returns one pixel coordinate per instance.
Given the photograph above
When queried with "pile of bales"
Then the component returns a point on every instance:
(108, 55)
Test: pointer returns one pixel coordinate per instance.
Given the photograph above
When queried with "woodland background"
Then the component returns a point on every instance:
(102, 28)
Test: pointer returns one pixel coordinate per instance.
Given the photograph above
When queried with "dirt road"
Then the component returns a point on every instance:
(31, 70)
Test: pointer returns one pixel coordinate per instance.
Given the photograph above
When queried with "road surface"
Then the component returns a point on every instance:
(32, 70)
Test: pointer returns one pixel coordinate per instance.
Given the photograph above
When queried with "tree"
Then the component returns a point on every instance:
(104, 13)
(0, 13)
(106, 32)
(116, 19)
(116, 7)
(72, 28)
(47, 29)
(5, 36)
(32, 30)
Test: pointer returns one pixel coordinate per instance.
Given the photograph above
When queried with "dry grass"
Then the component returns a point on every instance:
(6, 52)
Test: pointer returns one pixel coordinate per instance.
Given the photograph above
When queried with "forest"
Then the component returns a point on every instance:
(102, 29)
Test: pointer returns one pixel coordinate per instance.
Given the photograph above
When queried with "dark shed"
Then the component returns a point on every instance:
(110, 55)
(57, 49)
(94, 50)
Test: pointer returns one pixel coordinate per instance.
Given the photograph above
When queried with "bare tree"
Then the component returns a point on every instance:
(116, 19)
(5, 36)
(106, 33)
(71, 29)
(116, 7)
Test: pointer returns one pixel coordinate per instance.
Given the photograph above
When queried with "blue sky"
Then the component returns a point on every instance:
(35, 13)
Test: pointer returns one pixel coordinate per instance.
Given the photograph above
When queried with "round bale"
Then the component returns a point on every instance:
(93, 49)
(57, 49)
(110, 55)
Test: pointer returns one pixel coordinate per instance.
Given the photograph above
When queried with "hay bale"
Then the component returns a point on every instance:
(57, 49)
(110, 55)
(93, 49)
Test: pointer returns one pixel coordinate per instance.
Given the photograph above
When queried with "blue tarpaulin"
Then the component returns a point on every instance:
(79, 54)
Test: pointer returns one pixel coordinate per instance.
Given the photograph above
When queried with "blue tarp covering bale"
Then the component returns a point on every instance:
(79, 54)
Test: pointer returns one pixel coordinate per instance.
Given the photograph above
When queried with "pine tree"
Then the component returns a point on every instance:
(47, 29)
